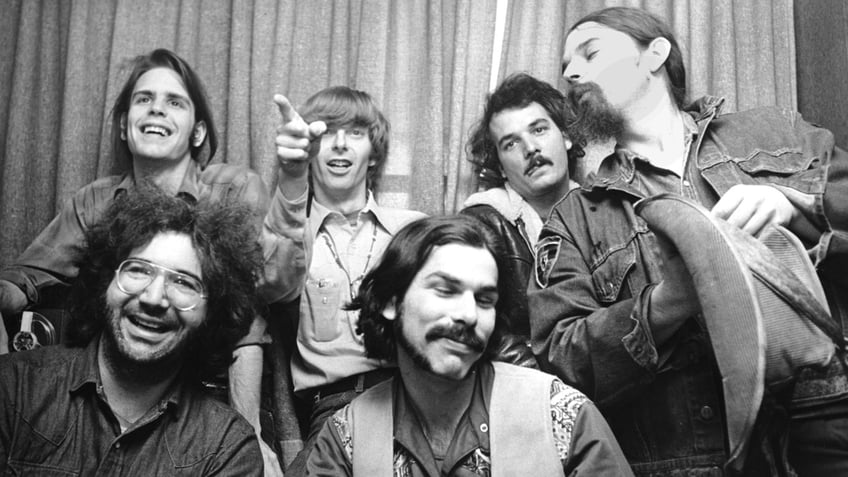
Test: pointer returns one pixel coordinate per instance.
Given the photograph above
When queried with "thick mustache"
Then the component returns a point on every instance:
(535, 161)
(459, 333)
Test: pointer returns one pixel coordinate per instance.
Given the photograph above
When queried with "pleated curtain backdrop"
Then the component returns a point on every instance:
(427, 63)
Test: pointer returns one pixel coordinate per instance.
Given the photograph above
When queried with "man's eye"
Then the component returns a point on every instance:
(445, 291)
(357, 132)
(591, 54)
(138, 270)
(142, 99)
(176, 103)
(185, 283)
(509, 145)
(540, 129)
(487, 301)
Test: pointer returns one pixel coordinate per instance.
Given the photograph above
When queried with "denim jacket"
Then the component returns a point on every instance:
(597, 263)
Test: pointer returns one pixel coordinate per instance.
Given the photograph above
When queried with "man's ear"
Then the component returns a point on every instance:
(124, 127)
(199, 134)
(656, 53)
(568, 143)
(390, 310)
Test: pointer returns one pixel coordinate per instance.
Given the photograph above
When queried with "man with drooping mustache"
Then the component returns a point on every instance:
(435, 304)
(166, 288)
(524, 158)
(614, 312)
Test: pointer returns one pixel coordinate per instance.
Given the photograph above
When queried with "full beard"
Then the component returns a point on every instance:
(119, 359)
(597, 119)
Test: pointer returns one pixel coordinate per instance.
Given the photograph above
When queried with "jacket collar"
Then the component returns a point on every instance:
(617, 170)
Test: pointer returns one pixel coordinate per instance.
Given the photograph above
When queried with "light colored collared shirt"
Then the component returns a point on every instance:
(339, 255)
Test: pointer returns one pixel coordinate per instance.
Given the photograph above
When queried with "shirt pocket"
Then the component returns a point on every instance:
(610, 274)
(44, 446)
(324, 304)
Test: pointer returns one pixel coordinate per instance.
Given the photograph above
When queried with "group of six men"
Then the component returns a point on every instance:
(406, 325)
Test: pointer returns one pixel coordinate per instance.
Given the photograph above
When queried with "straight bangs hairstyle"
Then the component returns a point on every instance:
(340, 106)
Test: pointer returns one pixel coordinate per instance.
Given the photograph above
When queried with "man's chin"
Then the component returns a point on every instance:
(597, 119)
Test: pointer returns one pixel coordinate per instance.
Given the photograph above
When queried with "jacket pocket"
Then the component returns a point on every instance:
(784, 161)
(610, 274)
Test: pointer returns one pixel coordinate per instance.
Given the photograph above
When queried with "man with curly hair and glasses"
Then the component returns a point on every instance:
(165, 290)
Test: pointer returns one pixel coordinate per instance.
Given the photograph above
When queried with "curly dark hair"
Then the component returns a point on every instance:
(163, 58)
(517, 91)
(405, 255)
(224, 237)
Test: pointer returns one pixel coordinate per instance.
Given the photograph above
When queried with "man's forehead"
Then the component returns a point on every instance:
(161, 79)
(462, 263)
(531, 113)
(175, 250)
(586, 32)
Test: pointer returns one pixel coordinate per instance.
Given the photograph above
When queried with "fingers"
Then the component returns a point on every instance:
(287, 112)
(753, 207)
(294, 137)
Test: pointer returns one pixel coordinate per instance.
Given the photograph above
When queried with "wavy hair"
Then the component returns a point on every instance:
(224, 238)
(405, 255)
(163, 58)
(515, 92)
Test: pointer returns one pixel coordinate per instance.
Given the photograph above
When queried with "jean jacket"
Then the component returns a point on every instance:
(597, 263)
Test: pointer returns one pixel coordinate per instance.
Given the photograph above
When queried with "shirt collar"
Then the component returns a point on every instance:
(473, 430)
(320, 213)
(86, 376)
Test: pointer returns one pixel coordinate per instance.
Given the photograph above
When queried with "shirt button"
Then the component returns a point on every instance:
(117, 445)
(707, 413)
(484, 427)
(686, 182)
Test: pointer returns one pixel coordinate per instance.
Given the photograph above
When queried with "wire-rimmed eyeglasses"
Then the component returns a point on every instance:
(184, 291)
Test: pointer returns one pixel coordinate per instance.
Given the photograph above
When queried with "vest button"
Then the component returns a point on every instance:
(707, 413)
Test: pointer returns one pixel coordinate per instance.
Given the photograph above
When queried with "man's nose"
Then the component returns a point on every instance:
(155, 294)
(531, 147)
(466, 309)
(340, 140)
(572, 72)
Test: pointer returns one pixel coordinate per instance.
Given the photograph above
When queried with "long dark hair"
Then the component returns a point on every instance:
(162, 58)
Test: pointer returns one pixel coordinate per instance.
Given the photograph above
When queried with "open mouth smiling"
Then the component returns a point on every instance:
(152, 326)
(156, 129)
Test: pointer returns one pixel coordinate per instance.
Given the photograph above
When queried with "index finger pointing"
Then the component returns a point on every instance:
(286, 110)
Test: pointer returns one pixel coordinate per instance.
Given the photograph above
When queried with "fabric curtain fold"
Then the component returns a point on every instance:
(426, 62)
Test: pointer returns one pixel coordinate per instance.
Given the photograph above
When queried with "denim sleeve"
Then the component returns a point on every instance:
(835, 209)
(52, 257)
(239, 454)
(605, 351)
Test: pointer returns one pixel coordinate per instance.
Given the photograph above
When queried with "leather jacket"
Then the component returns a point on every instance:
(515, 348)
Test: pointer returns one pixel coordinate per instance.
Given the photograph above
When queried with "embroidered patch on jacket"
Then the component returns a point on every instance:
(547, 251)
